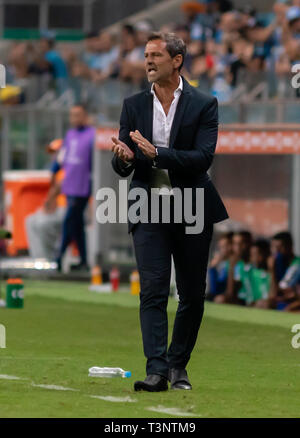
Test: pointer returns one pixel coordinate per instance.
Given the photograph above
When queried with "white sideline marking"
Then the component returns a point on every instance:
(114, 399)
(109, 398)
(7, 377)
(37, 358)
(55, 387)
(172, 411)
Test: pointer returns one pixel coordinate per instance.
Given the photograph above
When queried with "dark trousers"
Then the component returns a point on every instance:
(154, 244)
(73, 226)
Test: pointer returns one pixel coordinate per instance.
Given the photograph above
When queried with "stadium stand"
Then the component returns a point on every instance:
(247, 57)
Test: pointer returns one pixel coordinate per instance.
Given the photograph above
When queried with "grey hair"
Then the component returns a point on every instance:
(175, 45)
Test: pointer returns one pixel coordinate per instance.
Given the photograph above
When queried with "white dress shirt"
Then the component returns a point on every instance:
(161, 131)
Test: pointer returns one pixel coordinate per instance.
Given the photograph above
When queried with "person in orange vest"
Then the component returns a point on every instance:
(44, 227)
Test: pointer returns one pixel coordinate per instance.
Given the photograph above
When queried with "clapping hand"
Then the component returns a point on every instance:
(122, 150)
(144, 145)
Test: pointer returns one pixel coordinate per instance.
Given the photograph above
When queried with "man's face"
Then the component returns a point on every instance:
(43, 45)
(77, 116)
(141, 37)
(237, 245)
(229, 22)
(105, 41)
(295, 26)
(91, 44)
(224, 247)
(256, 258)
(240, 246)
(184, 35)
(278, 247)
(159, 64)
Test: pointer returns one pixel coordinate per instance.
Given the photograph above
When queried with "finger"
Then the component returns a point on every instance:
(120, 152)
(123, 154)
(135, 139)
(116, 148)
(142, 141)
(137, 134)
(142, 147)
(115, 140)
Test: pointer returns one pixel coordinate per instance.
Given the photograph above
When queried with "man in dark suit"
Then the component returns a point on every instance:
(168, 137)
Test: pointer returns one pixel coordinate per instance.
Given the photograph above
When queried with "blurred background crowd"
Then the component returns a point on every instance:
(228, 49)
(255, 272)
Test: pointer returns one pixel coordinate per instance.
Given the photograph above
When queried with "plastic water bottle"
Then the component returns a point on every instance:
(108, 372)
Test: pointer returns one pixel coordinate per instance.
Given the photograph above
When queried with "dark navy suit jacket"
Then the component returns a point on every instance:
(191, 150)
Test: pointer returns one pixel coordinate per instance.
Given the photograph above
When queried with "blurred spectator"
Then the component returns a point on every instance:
(91, 49)
(252, 279)
(281, 253)
(238, 262)
(131, 56)
(218, 267)
(183, 31)
(256, 279)
(242, 51)
(293, 291)
(197, 20)
(80, 66)
(42, 72)
(283, 265)
(76, 160)
(143, 30)
(293, 19)
(43, 228)
(96, 62)
(40, 66)
(58, 65)
(17, 63)
(102, 64)
(202, 67)
(228, 48)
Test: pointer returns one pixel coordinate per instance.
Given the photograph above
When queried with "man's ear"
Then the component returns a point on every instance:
(177, 61)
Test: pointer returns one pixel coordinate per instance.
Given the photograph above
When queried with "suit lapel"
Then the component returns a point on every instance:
(148, 117)
(181, 106)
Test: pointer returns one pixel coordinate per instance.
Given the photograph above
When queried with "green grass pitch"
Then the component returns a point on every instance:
(243, 364)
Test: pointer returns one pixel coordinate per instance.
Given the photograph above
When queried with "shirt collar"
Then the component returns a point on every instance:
(81, 128)
(177, 91)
